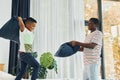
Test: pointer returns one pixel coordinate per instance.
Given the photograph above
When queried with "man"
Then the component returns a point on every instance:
(26, 39)
(92, 50)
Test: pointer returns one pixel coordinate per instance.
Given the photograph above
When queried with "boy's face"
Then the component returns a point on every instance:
(30, 26)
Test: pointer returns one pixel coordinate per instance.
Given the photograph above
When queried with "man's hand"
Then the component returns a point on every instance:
(73, 43)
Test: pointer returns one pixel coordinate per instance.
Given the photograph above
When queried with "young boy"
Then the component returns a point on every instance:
(92, 50)
(26, 40)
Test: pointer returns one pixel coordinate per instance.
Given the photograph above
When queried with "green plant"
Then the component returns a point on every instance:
(47, 62)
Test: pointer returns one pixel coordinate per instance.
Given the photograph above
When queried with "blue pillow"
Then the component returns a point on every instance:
(66, 50)
(10, 30)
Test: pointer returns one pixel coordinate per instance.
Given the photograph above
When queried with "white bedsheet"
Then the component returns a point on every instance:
(6, 76)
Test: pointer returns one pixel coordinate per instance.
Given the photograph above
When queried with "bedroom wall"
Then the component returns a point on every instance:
(5, 15)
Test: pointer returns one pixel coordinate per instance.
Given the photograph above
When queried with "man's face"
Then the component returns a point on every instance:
(91, 25)
(30, 26)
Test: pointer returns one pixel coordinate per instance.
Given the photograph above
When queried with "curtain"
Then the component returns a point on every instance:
(59, 21)
(19, 8)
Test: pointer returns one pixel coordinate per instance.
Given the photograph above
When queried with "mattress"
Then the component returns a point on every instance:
(7, 76)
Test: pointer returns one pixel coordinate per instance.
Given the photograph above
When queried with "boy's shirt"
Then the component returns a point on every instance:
(26, 40)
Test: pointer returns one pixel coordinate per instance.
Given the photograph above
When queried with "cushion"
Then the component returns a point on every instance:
(66, 50)
(10, 30)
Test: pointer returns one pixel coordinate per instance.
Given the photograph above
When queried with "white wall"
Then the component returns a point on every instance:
(5, 15)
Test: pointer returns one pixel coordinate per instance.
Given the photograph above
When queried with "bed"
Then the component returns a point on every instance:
(6, 76)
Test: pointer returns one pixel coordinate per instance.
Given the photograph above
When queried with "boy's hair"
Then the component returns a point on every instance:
(30, 19)
(95, 20)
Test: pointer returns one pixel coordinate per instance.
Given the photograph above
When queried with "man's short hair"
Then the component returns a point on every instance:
(95, 20)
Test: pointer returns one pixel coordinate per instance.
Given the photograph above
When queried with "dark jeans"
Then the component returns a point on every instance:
(28, 59)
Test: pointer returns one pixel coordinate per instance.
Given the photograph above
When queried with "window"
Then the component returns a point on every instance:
(111, 29)
(91, 9)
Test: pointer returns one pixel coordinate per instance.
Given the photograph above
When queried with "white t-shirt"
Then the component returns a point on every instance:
(26, 37)
(93, 55)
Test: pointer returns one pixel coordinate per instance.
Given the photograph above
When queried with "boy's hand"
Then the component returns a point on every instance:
(21, 24)
(19, 18)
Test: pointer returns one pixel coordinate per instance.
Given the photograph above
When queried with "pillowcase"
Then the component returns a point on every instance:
(10, 30)
(66, 50)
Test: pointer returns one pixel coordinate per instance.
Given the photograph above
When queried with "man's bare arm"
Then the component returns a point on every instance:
(87, 45)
